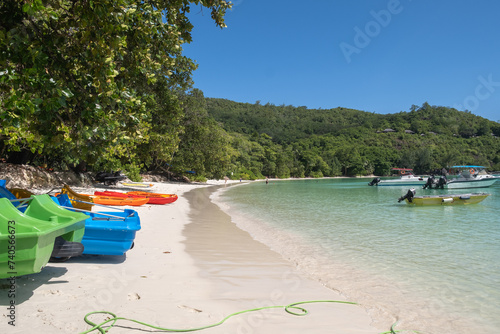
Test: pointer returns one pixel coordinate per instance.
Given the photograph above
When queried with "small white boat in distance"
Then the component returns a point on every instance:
(406, 178)
(469, 177)
(447, 199)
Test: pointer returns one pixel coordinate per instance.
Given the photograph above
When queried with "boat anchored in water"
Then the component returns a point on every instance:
(406, 178)
(468, 177)
(447, 199)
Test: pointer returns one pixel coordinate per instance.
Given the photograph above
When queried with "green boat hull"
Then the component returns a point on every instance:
(27, 239)
(448, 199)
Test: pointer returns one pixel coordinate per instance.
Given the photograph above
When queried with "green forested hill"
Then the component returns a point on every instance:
(287, 123)
(284, 141)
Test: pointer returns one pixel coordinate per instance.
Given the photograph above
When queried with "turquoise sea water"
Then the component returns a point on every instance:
(433, 269)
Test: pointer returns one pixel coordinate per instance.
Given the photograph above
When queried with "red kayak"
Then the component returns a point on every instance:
(152, 198)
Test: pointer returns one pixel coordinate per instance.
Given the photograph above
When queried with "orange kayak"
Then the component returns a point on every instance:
(109, 200)
(77, 198)
(169, 197)
(154, 199)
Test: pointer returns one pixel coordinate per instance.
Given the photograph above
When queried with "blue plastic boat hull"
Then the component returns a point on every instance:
(110, 236)
(105, 235)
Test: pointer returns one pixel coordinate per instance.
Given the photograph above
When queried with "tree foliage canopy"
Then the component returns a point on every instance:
(95, 80)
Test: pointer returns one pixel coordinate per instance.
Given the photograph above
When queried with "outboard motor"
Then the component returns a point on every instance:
(409, 195)
(374, 182)
(441, 182)
(430, 182)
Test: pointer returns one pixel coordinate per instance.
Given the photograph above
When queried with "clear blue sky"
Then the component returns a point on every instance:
(374, 55)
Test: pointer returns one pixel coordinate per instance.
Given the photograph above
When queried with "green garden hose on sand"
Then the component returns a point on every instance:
(294, 309)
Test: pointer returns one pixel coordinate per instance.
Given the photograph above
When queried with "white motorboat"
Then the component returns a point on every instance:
(468, 177)
(406, 178)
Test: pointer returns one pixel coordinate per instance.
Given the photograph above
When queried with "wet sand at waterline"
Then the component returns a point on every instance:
(245, 274)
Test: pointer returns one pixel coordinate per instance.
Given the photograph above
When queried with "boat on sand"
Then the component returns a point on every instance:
(171, 197)
(107, 232)
(153, 198)
(84, 201)
(79, 201)
(137, 184)
(119, 201)
(28, 240)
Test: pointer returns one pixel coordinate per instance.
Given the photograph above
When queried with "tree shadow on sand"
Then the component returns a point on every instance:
(22, 288)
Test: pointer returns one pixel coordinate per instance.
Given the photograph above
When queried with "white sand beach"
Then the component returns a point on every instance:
(190, 267)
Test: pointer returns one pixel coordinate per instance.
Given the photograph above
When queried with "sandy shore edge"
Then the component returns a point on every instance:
(179, 276)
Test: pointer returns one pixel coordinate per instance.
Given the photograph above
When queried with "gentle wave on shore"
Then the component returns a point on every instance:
(245, 274)
(432, 268)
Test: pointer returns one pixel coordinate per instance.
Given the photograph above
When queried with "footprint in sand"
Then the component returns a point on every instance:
(190, 309)
(50, 292)
(133, 296)
(93, 267)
